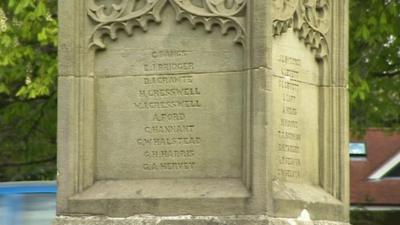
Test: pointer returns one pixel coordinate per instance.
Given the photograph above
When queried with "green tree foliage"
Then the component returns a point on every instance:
(28, 55)
(374, 64)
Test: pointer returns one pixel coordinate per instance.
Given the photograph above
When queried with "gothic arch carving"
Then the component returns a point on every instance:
(128, 14)
(310, 19)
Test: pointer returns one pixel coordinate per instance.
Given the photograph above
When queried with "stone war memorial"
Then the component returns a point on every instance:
(203, 112)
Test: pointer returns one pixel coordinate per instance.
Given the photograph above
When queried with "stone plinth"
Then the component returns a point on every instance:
(233, 112)
(189, 220)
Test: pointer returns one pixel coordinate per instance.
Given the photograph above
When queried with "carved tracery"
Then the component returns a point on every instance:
(309, 18)
(128, 14)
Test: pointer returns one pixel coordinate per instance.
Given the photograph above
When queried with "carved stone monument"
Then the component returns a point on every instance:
(203, 112)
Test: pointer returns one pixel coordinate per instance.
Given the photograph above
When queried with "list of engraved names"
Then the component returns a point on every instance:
(169, 120)
(169, 141)
(288, 132)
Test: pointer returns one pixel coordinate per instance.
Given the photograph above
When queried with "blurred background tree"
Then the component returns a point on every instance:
(28, 59)
(374, 73)
(374, 64)
(28, 68)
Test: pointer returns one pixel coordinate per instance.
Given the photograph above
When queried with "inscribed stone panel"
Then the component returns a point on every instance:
(295, 82)
(172, 104)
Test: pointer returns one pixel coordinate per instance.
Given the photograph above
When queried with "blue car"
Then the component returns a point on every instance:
(27, 203)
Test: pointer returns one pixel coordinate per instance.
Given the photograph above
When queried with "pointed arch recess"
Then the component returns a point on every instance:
(128, 14)
(310, 19)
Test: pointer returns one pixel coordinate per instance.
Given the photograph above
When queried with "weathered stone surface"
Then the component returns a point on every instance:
(189, 220)
(205, 108)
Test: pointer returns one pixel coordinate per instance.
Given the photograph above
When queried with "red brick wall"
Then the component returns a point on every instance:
(380, 148)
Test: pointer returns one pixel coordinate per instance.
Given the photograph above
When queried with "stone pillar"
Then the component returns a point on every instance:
(203, 112)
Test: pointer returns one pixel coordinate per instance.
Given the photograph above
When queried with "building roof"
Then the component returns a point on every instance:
(388, 166)
(369, 183)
